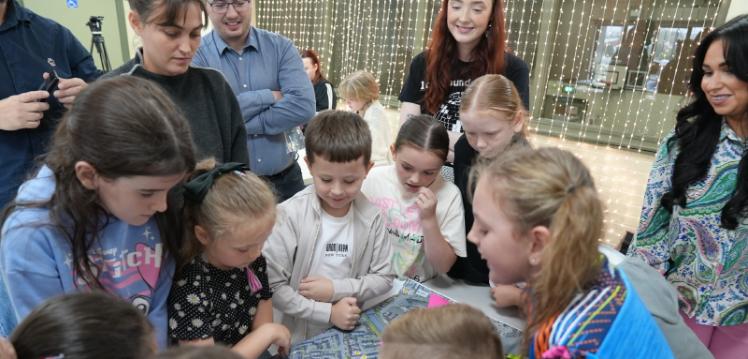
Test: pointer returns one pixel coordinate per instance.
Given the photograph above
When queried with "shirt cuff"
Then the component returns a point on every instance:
(321, 312)
(266, 96)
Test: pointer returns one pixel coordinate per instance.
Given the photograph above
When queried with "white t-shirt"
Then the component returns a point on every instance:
(401, 218)
(334, 249)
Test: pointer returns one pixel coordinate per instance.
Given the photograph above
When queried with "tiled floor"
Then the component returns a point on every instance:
(620, 177)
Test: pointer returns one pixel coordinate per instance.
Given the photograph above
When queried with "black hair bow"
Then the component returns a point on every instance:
(196, 189)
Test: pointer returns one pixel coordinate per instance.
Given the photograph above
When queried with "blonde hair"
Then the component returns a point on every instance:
(232, 199)
(552, 188)
(360, 85)
(494, 93)
(452, 331)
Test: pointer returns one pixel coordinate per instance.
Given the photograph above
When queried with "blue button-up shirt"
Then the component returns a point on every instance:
(27, 40)
(268, 62)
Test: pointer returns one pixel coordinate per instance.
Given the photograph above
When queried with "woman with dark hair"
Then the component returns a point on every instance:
(694, 223)
(94, 217)
(324, 91)
(467, 41)
(170, 32)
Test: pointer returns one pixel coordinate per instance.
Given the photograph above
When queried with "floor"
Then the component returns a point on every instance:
(620, 177)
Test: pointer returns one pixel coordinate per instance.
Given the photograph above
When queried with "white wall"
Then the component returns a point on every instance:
(737, 7)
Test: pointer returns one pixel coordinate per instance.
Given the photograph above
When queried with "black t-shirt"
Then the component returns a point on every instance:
(325, 95)
(415, 86)
(208, 302)
(472, 268)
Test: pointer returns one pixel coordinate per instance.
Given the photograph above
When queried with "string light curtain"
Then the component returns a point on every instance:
(608, 72)
(378, 36)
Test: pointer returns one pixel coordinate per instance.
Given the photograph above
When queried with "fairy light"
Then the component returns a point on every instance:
(381, 37)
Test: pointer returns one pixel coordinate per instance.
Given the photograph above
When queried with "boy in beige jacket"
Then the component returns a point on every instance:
(328, 253)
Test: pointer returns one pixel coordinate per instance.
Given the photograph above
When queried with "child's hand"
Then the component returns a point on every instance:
(316, 288)
(279, 335)
(345, 313)
(6, 349)
(506, 295)
(426, 202)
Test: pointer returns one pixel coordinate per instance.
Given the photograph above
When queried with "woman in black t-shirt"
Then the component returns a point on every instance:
(324, 91)
(468, 40)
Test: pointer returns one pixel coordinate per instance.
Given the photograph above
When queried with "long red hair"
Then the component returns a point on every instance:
(314, 57)
(442, 54)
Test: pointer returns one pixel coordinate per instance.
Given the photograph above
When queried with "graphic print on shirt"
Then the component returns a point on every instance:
(130, 272)
(449, 111)
(405, 233)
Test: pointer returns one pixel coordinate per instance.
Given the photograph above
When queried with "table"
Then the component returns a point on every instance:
(363, 341)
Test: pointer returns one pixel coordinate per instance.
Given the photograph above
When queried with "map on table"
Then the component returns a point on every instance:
(363, 341)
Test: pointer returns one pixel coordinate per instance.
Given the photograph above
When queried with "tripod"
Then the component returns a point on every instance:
(97, 41)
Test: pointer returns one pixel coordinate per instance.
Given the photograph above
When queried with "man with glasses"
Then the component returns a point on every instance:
(267, 75)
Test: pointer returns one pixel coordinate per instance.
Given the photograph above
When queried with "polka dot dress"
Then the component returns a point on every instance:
(207, 302)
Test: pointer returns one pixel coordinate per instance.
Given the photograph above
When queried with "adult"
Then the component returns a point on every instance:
(267, 75)
(170, 33)
(324, 91)
(693, 226)
(27, 44)
(468, 41)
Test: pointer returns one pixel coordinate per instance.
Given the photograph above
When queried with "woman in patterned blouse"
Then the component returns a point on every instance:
(693, 226)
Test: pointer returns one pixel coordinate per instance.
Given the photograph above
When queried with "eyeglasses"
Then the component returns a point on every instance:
(220, 6)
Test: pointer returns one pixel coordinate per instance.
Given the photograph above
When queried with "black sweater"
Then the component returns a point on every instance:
(209, 105)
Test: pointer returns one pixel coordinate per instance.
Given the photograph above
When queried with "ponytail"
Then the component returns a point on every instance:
(552, 188)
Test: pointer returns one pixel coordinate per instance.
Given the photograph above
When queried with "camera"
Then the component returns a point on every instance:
(94, 24)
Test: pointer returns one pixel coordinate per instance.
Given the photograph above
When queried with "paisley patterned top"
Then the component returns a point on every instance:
(707, 264)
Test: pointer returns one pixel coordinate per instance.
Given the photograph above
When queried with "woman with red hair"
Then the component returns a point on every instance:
(467, 41)
(324, 92)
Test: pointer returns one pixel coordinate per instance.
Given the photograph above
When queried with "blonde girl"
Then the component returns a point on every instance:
(361, 93)
(221, 292)
(493, 118)
(538, 219)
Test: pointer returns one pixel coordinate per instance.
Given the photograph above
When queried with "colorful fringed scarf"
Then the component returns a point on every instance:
(609, 320)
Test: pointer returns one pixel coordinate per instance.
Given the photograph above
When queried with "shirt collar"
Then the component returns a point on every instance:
(222, 46)
(15, 14)
(727, 133)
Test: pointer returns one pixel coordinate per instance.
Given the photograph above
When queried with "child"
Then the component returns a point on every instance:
(493, 118)
(84, 325)
(538, 219)
(361, 93)
(422, 212)
(693, 226)
(328, 252)
(221, 293)
(92, 217)
(452, 331)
